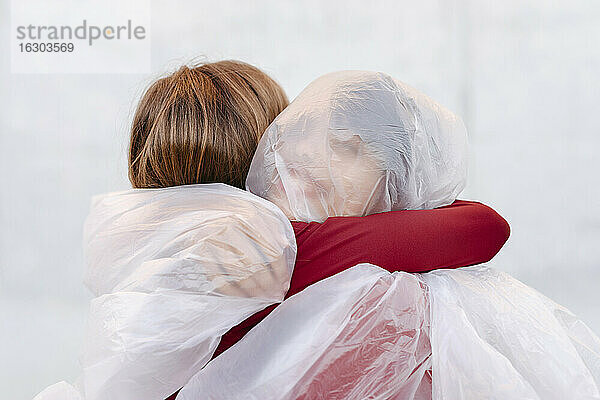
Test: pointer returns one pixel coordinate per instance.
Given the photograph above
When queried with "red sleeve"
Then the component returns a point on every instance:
(461, 234)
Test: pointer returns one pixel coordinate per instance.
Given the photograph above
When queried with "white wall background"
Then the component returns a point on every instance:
(523, 74)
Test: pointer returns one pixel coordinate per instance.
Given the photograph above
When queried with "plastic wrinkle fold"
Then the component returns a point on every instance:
(494, 337)
(359, 334)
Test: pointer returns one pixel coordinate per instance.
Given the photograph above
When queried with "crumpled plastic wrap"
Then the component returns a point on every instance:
(493, 337)
(361, 334)
(172, 270)
(358, 143)
(471, 333)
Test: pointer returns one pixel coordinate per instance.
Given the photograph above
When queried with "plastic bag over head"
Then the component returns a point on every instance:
(358, 143)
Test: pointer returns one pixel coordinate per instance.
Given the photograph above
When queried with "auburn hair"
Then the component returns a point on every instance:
(202, 124)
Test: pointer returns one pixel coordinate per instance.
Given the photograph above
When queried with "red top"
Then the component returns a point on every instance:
(461, 234)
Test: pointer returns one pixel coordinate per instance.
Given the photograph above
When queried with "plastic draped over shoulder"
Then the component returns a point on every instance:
(358, 143)
(174, 269)
(493, 337)
(210, 238)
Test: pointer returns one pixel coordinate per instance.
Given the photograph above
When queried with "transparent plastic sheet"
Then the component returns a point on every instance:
(494, 337)
(172, 270)
(59, 391)
(358, 143)
(368, 333)
(359, 334)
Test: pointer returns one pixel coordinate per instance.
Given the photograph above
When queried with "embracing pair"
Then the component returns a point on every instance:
(282, 251)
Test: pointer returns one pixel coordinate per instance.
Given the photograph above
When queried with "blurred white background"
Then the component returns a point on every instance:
(523, 74)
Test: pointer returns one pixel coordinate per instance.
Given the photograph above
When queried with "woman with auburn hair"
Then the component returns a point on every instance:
(202, 125)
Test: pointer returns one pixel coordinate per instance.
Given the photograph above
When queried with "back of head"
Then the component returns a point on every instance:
(175, 267)
(202, 124)
(357, 143)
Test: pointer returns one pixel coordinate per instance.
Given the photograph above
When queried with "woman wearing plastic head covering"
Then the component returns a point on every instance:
(355, 143)
(379, 146)
(178, 261)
